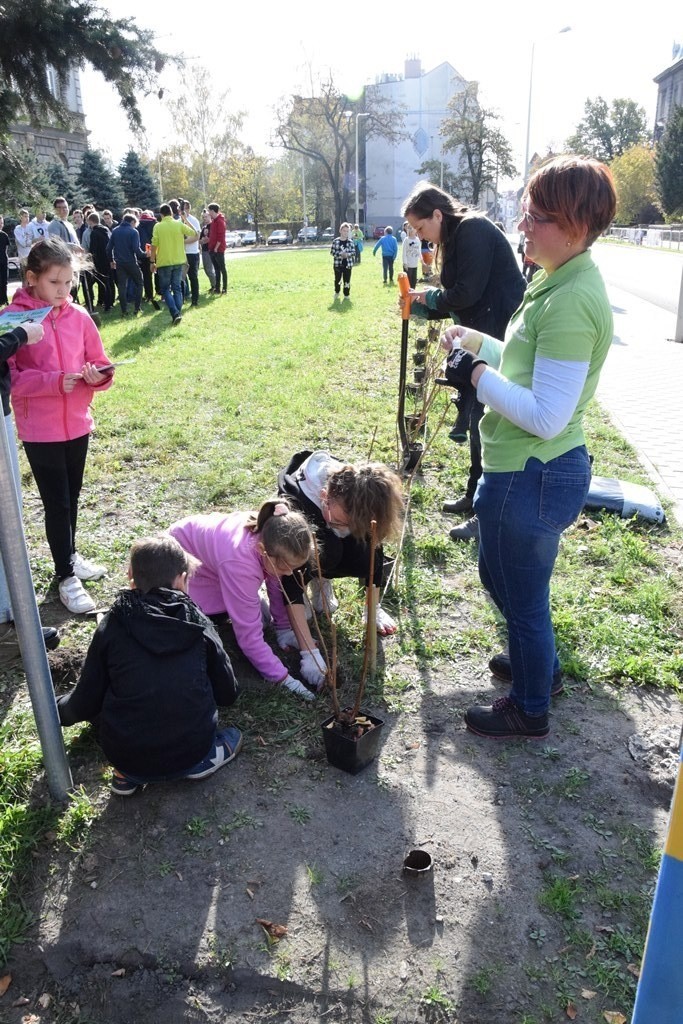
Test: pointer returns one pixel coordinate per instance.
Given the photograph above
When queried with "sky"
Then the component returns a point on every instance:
(262, 54)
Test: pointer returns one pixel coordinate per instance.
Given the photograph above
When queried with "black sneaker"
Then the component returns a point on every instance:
(121, 785)
(504, 720)
(500, 668)
(51, 637)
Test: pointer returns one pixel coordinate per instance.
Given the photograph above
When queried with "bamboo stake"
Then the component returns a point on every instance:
(370, 656)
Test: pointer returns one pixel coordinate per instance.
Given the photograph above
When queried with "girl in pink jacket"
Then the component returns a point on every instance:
(237, 553)
(53, 384)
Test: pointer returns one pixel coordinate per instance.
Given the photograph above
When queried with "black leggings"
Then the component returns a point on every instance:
(218, 260)
(342, 272)
(58, 467)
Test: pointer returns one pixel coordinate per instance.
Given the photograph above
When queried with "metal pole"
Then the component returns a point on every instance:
(528, 115)
(357, 221)
(303, 188)
(659, 995)
(27, 621)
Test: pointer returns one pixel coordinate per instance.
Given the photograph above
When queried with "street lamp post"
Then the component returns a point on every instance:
(366, 114)
(560, 32)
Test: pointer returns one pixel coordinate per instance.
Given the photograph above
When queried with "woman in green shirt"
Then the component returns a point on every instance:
(536, 388)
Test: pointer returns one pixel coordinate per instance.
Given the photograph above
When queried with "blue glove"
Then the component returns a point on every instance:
(459, 367)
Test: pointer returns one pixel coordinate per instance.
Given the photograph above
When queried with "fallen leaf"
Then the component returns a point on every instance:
(5, 983)
(571, 1011)
(121, 973)
(44, 1000)
(605, 928)
(592, 952)
(30, 1018)
(588, 993)
(179, 876)
(634, 969)
(614, 1017)
(276, 931)
(260, 739)
(250, 894)
(21, 1001)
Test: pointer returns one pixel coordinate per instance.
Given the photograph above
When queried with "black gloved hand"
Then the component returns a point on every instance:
(459, 367)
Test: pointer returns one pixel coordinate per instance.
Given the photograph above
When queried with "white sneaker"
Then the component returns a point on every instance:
(75, 597)
(86, 570)
(323, 589)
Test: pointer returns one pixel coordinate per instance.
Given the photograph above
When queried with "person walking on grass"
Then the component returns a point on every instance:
(53, 385)
(154, 676)
(343, 253)
(217, 247)
(389, 247)
(168, 257)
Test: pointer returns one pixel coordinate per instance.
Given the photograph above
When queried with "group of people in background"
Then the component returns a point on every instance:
(525, 362)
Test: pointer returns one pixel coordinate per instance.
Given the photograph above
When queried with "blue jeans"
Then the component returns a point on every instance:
(171, 287)
(521, 518)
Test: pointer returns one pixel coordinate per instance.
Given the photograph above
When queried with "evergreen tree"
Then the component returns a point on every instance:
(23, 182)
(99, 183)
(62, 183)
(139, 187)
(669, 167)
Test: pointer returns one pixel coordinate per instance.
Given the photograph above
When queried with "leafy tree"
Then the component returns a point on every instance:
(23, 181)
(669, 167)
(64, 34)
(634, 177)
(205, 132)
(320, 128)
(607, 132)
(483, 153)
(431, 170)
(139, 186)
(99, 183)
(62, 183)
(250, 186)
(172, 169)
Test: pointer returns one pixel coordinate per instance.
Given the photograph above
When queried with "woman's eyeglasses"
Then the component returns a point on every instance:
(532, 219)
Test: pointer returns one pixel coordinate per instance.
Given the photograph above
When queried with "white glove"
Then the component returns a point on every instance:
(313, 668)
(294, 686)
(286, 638)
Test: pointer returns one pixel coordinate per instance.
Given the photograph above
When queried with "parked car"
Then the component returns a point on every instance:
(248, 237)
(232, 239)
(308, 235)
(280, 237)
(378, 232)
(327, 235)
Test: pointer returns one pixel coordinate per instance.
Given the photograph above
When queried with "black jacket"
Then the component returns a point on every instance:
(9, 343)
(153, 675)
(99, 240)
(480, 280)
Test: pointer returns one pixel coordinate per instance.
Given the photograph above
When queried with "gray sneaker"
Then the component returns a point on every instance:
(460, 505)
(469, 530)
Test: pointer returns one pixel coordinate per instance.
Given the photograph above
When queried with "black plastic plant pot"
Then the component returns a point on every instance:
(421, 344)
(415, 425)
(414, 390)
(412, 455)
(348, 750)
(419, 358)
(419, 374)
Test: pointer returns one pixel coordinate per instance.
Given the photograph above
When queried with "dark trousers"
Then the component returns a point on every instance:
(88, 283)
(3, 282)
(218, 260)
(342, 272)
(57, 468)
(412, 275)
(146, 271)
(388, 267)
(193, 275)
(126, 272)
(105, 287)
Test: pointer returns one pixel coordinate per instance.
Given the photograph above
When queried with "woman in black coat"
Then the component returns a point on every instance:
(481, 287)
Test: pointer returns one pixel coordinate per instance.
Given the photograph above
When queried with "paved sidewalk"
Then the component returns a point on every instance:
(641, 388)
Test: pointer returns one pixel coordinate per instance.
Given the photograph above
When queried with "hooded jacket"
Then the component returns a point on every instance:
(217, 234)
(153, 675)
(42, 410)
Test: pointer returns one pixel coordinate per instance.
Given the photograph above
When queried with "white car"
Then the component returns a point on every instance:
(232, 239)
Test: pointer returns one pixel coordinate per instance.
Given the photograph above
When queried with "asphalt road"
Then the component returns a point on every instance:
(650, 274)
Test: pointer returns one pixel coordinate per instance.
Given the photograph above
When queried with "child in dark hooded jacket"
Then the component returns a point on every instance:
(153, 676)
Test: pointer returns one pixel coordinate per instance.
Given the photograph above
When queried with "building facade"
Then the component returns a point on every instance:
(54, 145)
(670, 91)
(391, 170)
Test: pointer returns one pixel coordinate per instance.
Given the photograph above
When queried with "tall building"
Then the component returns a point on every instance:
(391, 171)
(670, 90)
(51, 144)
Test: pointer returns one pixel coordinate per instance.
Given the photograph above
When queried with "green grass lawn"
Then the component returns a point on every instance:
(204, 418)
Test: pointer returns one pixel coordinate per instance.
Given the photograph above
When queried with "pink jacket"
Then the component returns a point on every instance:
(228, 580)
(42, 410)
